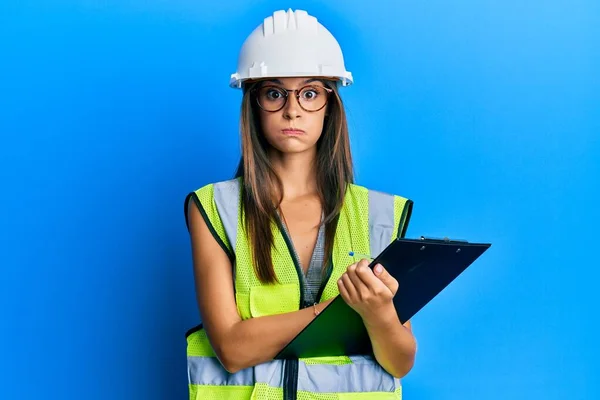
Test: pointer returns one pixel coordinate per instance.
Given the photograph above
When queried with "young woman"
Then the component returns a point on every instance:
(271, 247)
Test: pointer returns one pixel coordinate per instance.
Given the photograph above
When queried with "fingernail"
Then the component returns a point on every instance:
(378, 268)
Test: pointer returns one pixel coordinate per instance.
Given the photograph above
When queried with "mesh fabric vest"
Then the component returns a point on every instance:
(368, 222)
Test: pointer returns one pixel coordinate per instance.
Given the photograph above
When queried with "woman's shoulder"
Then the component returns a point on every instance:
(210, 193)
(212, 200)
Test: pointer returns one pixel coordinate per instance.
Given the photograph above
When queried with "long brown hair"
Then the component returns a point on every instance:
(260, 183)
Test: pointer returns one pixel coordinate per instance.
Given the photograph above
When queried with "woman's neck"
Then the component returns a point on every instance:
(297, 173)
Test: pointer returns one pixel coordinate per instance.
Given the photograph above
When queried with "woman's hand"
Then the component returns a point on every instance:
(368, 292)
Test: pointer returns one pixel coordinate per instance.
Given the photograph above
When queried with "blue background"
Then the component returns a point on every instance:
(485, 113)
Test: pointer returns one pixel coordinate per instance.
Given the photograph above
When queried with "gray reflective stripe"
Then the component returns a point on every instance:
(227, 197)
(363, 375)
(209, 371)
(270, 372)
(381, 221)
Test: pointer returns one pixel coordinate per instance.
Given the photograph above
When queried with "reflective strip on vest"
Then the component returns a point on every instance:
(227, 199)
(362, 375)
(209, 371)
(381, 221)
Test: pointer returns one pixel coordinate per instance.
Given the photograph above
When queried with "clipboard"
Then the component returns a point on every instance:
(423, 267)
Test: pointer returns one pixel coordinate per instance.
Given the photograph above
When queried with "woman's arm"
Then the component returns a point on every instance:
(371, 295)
(238, 344)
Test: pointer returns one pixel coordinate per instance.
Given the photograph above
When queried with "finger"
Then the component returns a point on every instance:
(343, 291)
(366, 275)
(385, 277)
(380, 271)
(359, 286)
(373, 284)
(349, 286)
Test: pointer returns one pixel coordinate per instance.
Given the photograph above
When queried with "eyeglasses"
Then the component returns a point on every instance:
(273, 98)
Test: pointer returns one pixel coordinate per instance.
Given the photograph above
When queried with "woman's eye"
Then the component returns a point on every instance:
(274, 94)
(309, 94)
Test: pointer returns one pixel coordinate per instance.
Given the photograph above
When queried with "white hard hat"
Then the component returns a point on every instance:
(288, 44)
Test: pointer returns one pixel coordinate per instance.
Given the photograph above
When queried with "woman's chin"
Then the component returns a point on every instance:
(293, 148)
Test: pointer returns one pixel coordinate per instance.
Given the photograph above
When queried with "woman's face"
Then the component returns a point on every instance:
(292, 122)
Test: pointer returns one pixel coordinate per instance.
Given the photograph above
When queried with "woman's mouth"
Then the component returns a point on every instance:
(292, 131)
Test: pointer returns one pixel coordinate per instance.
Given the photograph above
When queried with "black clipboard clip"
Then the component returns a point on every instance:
(443, 240)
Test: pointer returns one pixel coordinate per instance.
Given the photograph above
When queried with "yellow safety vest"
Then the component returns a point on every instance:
(369, 221)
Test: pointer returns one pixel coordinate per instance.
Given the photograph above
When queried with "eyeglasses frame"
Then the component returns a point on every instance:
(296, 93)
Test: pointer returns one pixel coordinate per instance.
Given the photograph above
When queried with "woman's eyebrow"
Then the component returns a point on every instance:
(277, 81)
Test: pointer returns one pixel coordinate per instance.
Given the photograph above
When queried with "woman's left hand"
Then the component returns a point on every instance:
(368, 292)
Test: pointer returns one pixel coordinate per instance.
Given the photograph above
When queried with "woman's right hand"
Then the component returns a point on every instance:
(367, 291)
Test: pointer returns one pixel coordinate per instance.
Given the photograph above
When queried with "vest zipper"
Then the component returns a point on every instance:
(290, 369)
(290, 380)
